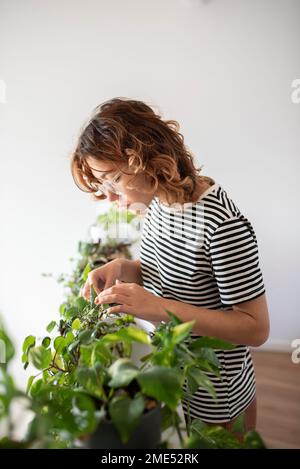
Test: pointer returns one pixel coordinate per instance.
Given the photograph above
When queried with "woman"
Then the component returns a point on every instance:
(198, 254)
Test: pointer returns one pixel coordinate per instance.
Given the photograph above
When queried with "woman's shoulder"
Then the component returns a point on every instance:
(219, 207)
(214, 195)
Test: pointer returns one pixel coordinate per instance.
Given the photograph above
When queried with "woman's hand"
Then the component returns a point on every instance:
(133, 299)
(102, 277)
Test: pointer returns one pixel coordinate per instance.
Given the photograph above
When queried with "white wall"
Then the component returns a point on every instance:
(223, 69)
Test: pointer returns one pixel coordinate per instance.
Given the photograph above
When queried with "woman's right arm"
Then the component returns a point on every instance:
(131, 271)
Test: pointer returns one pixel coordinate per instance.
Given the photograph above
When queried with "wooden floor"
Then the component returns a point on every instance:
(278, 394)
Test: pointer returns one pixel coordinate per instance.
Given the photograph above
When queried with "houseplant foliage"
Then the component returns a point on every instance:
(88, 353)
(85, 376)
(64, 409)
(9, 393)
(203, 436)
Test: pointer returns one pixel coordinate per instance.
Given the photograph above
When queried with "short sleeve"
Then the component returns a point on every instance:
(235, 261)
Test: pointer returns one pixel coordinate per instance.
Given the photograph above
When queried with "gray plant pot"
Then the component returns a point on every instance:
(146, 436)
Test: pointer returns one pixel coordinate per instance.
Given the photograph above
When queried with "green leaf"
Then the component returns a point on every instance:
(222, 438)
(201, 380)
(69, 337)
(239, 424)
(214, 437)
(163, 383)
(59, 343)
(84, 337)
(28, 343)
(93, 295)
(8, 347)
(80, 303)
(76, 324)
(7, 392)
(126, 414)
(36, 387)
(50, 326)
(182, 331)
(84, 413)
(85, 354)
(175, 319)
(73, 345)
(122, 371)
(211, 342)
(128, 334)
(46, 342)
(207, 366)
(147, 357)
(86, 272)
(46, 376)
(91, 379)
(253, 440)
(101, 354)
(70, 313)
(198, 426)
(40, 357)
(207, 354)
(169, 418)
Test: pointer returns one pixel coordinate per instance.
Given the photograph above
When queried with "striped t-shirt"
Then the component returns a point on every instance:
(207, 256)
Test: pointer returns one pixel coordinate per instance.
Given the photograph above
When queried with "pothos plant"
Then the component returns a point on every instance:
(86, 375)
(63, 411)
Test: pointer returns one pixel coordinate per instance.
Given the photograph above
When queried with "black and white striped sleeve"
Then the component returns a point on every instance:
(235, 261)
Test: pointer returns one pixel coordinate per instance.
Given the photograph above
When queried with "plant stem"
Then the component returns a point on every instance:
(53, 365)
(178, 429)
(188, 419)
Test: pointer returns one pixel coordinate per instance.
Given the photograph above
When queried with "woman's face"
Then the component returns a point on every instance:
(105, 171)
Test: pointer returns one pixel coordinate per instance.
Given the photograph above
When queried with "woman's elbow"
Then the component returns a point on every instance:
(260, 336)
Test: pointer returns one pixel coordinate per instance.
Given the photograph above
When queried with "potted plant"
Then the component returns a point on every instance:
(88, 391)
(125, 404)
(62, 414)
(88, 364)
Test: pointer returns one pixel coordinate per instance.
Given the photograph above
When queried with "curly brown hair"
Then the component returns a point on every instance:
(124, 130)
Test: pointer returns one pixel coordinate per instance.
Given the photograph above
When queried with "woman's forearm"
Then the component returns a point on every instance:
(232, 325)
(131, 271)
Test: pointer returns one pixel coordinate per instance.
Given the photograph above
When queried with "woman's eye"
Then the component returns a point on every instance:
(118, 179)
